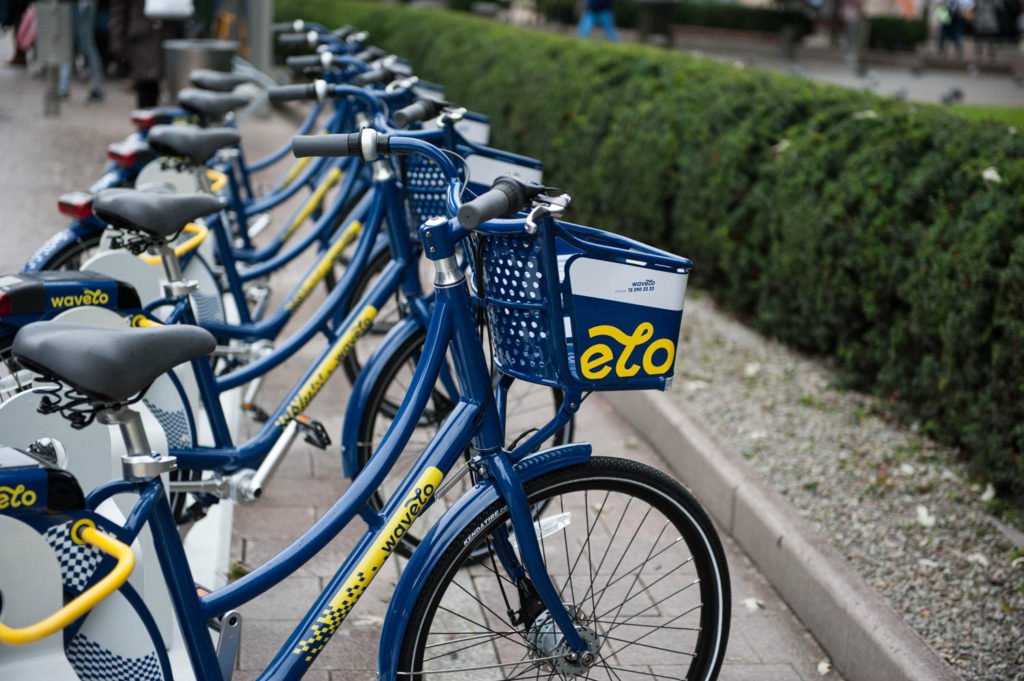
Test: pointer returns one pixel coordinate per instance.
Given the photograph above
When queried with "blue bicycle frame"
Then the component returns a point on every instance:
(475, 419)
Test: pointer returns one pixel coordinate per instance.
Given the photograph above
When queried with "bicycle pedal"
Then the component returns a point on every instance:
(259, 415)
(314, 431)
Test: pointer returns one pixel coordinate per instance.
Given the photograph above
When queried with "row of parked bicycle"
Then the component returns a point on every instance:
(136, 338)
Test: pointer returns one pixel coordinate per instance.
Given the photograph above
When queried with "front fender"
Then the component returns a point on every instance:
(365, 382)
(443, 533)
(88, 228)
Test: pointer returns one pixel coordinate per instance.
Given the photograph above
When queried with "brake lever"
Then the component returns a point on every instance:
(545, 206)
(403, 84)
(451, 117)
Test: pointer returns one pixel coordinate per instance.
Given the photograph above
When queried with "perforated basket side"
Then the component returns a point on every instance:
(519, 312)
(425, 187)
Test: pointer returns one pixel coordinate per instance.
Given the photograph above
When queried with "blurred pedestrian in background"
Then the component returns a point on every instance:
(986, 28)
(11, 12)
(599, 13)
(85, 42)
(137, 40)
(951, 17)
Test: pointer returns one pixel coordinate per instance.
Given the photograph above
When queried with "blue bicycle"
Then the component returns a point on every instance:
(583, 556)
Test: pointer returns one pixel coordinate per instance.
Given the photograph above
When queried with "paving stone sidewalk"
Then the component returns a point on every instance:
(46, 157)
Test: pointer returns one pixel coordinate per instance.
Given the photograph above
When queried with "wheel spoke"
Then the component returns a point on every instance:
(646, 608)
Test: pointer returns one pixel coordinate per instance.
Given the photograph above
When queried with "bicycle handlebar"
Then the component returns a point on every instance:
(418, 111)
(370, 53)
(82, 532)
(377, 75)
(506, 195)
(338, 145)
(304, 61)
(292, 93)
(311, 39)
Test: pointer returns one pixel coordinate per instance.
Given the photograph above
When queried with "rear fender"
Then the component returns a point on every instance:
(79, 230)
(364, 385)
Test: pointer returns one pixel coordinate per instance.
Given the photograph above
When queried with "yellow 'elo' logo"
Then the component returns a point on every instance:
(594, 362)
(14, 497)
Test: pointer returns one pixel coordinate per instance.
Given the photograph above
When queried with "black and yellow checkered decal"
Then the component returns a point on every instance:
(355, 585)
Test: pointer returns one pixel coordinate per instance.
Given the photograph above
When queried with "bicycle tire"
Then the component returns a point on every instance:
(11, 383)
(387, 317)
(463, 597)
(73, 255)
(529, 407)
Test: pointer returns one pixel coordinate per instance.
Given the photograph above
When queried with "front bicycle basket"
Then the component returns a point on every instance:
(583, 309)
(425, 185)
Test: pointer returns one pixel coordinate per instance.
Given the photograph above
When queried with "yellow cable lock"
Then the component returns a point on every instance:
(217, 179)
(198, 232)
(142, 321)
(82, 532)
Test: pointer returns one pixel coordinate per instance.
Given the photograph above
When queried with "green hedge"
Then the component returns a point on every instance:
(707, 14)
(838, 221)
(894, 33)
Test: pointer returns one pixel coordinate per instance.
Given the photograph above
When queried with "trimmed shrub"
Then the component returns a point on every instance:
(894, 33)
(739, 17)
(707, 14)
(841, 222)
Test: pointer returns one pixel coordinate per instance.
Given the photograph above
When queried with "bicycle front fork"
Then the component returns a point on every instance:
(531, 575)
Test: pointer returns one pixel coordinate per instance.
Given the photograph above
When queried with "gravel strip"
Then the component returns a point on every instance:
(901, 508)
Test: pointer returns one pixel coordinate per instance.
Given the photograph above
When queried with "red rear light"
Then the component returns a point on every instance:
(76, 204)
(143, 119)
(5, 304)
(122, 153)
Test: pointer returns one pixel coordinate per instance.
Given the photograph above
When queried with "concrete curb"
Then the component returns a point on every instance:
(865, 638)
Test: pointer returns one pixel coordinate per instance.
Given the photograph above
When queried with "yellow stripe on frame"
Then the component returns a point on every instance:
(354, 586)
(328, 365)
(294, 171)
(315, 199)
(324, 265)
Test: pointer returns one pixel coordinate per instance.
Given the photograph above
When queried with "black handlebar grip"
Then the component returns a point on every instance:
(418, 111)
(292, 39)
(491, 204)
(373, 76)
(291, 93)
(304, 61)
(287, 26)
(326, 145)
(370, 53)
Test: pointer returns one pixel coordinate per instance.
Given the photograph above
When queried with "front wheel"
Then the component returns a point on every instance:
(639, 568)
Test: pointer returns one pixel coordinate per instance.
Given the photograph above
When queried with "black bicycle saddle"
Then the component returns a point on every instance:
(108, 365)
(211, 104)
(157, 214)
(198, 145)
(216, 81)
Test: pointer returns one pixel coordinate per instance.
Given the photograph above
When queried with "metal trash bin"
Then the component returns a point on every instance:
(181, 56)
(655, 19)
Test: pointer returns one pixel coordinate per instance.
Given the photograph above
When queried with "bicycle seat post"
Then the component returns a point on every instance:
(176, 285)
(140, 461)
(204, 183)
